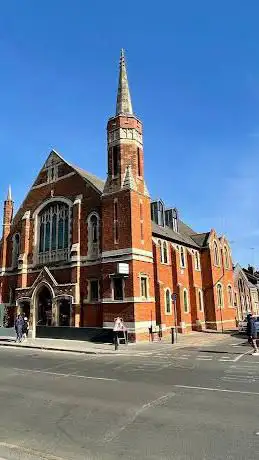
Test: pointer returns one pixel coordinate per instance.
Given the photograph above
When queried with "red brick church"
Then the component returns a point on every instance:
(80, 251)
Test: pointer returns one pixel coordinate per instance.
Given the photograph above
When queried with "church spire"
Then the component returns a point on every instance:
(9, 194)
(124, 106)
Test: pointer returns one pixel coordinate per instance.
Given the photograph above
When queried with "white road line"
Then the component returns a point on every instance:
(41, 455)
(204, 356)
(203, 359)
(240, 379)
(220, 390)
(111, 435)
(59, 374)
(241, 356)
(227, 360)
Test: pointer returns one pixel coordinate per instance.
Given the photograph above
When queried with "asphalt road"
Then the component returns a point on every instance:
(196, 403)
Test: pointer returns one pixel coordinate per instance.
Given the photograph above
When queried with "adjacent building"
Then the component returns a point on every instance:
(80, 251)
(246, 291)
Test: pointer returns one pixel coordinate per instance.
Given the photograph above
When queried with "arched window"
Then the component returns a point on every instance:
(219, 295)
(185, 301)
(226, 257)
(93, 235)
(201, 307)
(182, 257)
(16, 250)
(197, 260)
(216, 253)
(230, 296)
(53, 222)
(165, 252)
(160, 250)
(168, 303)
(93, 227)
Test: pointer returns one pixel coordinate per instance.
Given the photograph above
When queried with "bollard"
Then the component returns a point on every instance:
(173, 334)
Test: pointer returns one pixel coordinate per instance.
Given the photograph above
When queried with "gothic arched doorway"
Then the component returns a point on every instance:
(44, 307)
(25, 308)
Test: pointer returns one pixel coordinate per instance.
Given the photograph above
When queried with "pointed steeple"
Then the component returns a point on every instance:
(124, 106)
(9, 194)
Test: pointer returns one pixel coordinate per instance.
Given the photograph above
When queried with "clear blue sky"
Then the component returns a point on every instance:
(193, 69)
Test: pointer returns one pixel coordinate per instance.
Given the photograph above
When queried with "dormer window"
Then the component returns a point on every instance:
(158, 212)
(171, 219)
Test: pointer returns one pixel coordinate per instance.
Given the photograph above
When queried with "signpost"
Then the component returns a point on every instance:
(174, 297)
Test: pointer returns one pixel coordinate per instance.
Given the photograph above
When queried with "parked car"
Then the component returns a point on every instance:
(242, 325)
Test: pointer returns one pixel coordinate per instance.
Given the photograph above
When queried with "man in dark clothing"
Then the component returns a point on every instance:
(19, 326)
(249, 327)
(253, 335)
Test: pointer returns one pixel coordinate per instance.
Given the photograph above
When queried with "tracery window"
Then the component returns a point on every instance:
(53, 224)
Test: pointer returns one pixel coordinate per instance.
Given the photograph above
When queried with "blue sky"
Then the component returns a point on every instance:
(193, 69)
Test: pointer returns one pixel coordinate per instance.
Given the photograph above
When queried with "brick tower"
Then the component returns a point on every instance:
(7, 221)
(126, 221)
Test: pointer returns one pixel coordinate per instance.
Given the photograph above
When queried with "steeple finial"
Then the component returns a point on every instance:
(9, 194)
(124, 106)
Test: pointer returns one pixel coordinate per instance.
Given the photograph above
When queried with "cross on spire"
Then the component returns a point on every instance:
(124, 106)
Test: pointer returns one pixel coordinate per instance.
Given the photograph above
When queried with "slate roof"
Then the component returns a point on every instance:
(168, 233)
(201, 238)
(186, 235)
(95, 181)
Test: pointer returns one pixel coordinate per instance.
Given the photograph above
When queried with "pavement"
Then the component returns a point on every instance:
(141, 348)
(196, 403)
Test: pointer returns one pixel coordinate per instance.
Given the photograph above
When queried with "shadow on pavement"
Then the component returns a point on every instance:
(7, 340)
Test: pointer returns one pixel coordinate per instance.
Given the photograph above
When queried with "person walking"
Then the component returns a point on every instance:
(254, 336)
(249, 328)
(19, 327)
(118, 326)
(25, 328)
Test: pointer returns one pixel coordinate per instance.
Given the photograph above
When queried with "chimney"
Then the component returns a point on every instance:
(250, 269)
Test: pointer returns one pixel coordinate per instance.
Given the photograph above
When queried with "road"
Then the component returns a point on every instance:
(199, 403)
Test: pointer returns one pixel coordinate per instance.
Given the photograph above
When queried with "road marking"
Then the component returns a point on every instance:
(40, 455)
(227, 360)
(240, 379)
(111, 435)
(241, 356)
(220, 390)
(59, 374)
(203, 359)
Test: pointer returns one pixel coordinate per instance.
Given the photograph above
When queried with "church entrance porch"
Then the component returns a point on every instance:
(24, 309)
(44, 307)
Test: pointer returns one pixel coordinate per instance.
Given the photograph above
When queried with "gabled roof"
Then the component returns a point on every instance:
(201, 238)
(95, 181)
(91, 178)
(251, 276)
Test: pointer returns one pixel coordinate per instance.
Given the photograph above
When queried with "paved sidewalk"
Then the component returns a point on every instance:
(145, 348)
